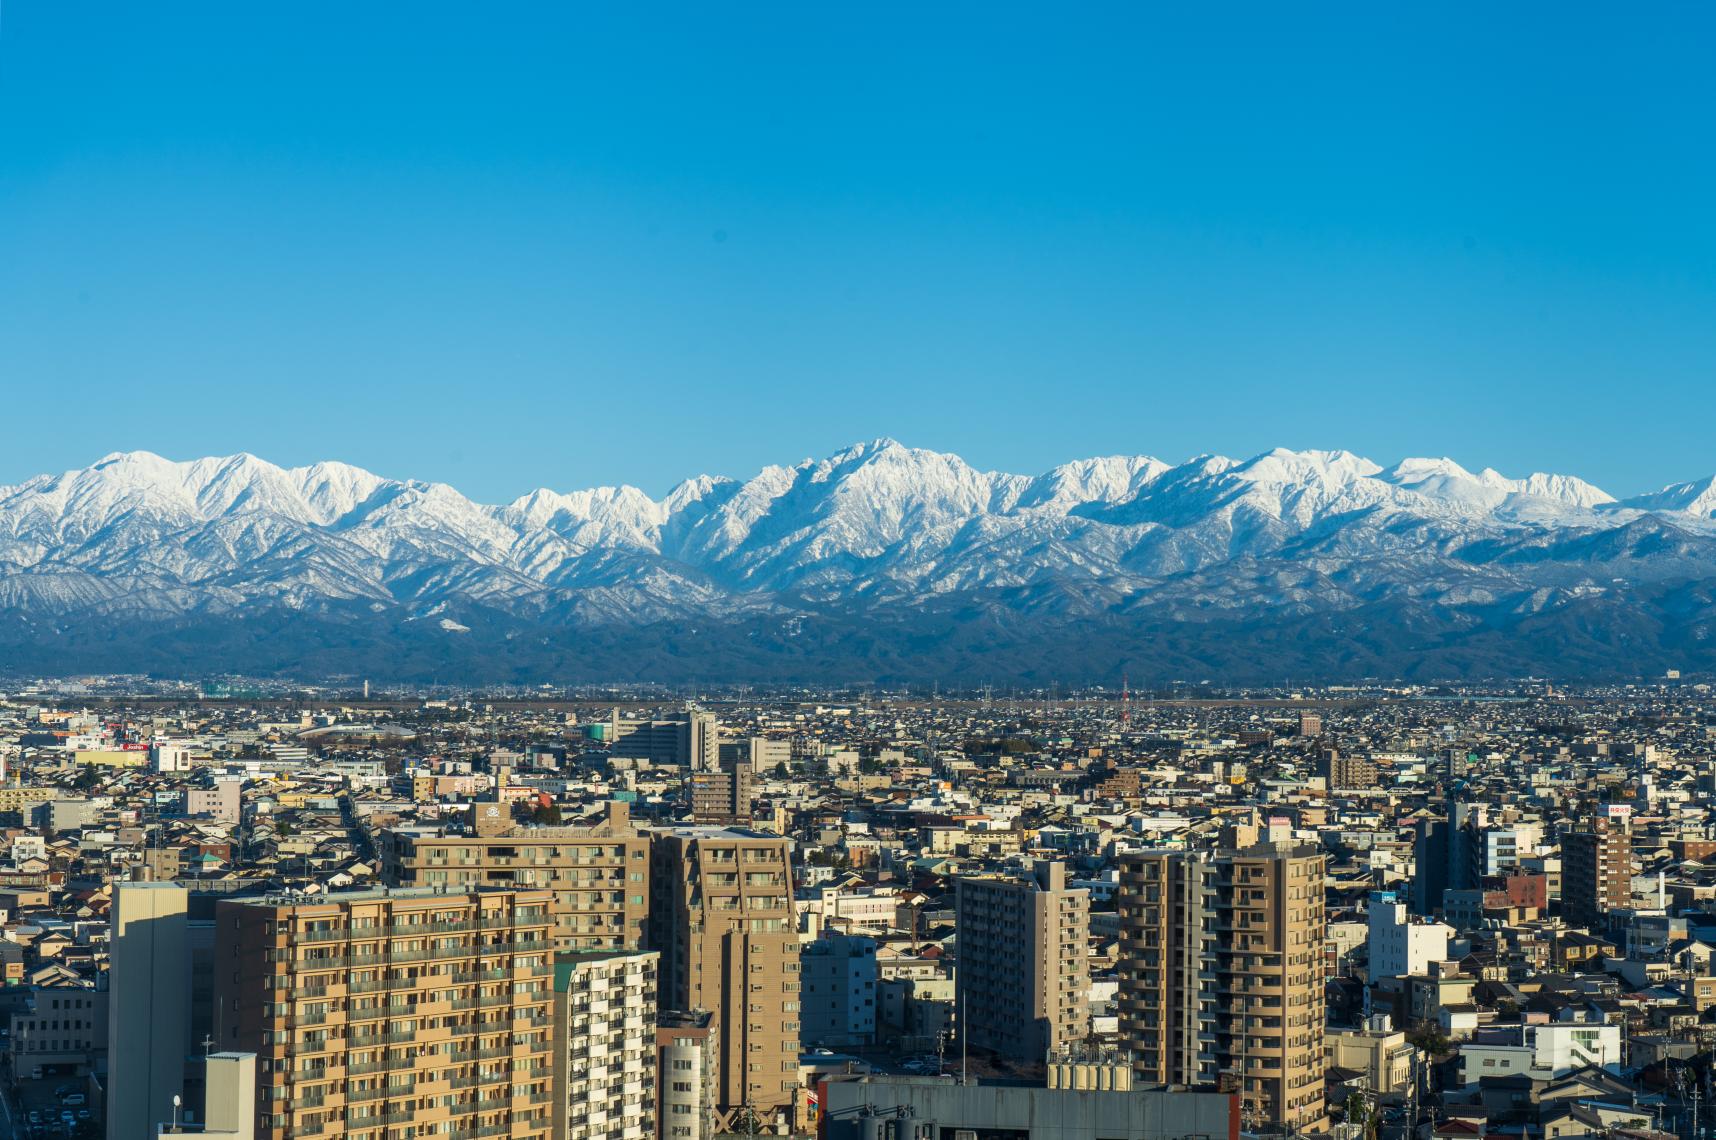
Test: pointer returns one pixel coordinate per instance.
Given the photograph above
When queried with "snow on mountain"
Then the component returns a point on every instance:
(1696, 499)
(875, 520)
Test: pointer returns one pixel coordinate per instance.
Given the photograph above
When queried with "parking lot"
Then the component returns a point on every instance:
(42, 1108)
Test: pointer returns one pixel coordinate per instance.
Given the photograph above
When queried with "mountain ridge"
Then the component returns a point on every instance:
(1126, 555)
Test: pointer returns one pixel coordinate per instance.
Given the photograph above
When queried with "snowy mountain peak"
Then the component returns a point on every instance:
(1696, 498)
(878, 530)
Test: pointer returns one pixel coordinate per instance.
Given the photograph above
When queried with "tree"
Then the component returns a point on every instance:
(1358, 1112)
(782, 772)
(546, 814)
(1428, 1036)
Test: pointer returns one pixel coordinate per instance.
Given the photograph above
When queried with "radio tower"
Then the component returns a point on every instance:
(1125, 703)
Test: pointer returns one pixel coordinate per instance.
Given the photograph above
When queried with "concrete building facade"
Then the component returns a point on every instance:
(373, 1013)
(837, 989)
(599, 875)
(722, 920)
(604, 1045)
(1023, 980)
(687, 1068)
(1222, 974)
(1400, 944)
(149, 1006)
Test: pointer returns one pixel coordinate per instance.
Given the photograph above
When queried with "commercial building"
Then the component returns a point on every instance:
(1430, 865)
(722, 920)
(60, 1028)
(691, 739)
(604, 1046)
(149, 1007)
(1222, 974)
(598, 875)
(1023, 980)
(381, 1012)
(929, 1108)
(760, 753)
(220, 801)
(1378, 1051)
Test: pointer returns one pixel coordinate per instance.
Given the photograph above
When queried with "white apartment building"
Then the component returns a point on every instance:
(604, 1045)
(1541, 1052)
(850, 912)
(1504, 847)
(837, 991)
(1401, 945)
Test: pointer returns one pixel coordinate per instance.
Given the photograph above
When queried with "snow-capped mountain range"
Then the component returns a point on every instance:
(881, 560)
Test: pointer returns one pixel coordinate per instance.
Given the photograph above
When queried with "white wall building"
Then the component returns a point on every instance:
(1400, 945)
(604, 1045)
(837, 991)
(1541, 1052)
(165, 756)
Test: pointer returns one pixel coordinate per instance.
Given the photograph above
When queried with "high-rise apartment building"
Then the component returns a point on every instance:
(1430, 866)
(722, 920)
(1466, 826)
(1597, 869)
(604, 1046)
(722, 796)
(1341, 771)
(599, 875)
(383, 1013)
(1222, 973)
(149, 1006)
(1023, 979)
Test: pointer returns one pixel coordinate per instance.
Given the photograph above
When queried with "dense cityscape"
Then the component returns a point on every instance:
(1350, 912)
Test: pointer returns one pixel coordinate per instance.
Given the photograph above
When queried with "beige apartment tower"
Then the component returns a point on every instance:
(723, 923)
(1023, 978)
(1596, 870)
(599, 875)
(385, 1013)
(1222, 972)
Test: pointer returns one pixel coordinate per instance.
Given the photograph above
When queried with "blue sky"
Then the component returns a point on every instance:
(516, 245)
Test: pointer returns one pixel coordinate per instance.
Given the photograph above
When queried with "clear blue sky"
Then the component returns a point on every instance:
(510, 245)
